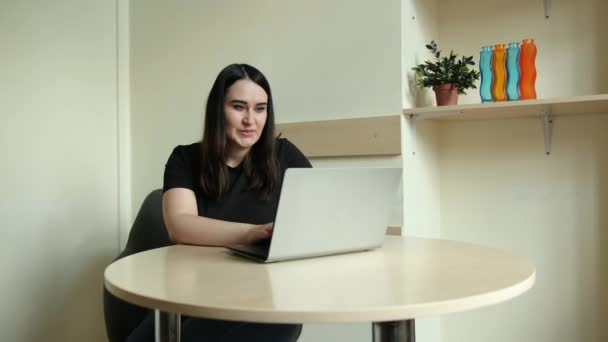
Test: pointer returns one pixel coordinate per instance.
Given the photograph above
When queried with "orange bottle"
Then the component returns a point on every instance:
(499, 72)
(527, 67)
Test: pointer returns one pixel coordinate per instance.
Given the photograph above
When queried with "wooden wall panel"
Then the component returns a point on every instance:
(370, 136)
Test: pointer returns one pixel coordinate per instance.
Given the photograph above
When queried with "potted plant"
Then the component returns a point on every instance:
(448, 76)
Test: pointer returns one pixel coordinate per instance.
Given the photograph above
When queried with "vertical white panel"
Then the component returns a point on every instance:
(416, 32)
(420, 141)
(421, 196)
(124, 119)
(58, 141)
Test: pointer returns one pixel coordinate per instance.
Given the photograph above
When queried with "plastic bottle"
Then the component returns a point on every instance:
(513, 72)
(485, 68)
(499, 72)
(527, 67)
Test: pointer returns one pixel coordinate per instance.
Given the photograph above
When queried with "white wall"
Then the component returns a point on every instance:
(59, 148)
(498, 188)
(324, 60)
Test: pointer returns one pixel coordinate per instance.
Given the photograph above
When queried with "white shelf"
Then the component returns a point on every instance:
(588, 104)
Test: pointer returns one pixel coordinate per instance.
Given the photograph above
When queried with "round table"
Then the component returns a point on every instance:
(390, 286)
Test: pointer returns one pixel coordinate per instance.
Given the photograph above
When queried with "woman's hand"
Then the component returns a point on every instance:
(258, 232)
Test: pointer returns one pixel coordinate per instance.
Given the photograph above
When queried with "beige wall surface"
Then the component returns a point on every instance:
(58, 142)
(498, 188)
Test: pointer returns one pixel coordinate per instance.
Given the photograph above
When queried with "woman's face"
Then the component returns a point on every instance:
(245, 113)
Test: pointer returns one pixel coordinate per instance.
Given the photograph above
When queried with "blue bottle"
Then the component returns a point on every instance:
(513, 72)
(485, 68)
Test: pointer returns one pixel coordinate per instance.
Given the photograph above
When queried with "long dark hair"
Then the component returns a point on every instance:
(260, 164)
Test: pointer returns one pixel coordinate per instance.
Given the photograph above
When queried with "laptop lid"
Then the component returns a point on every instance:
(326, 211)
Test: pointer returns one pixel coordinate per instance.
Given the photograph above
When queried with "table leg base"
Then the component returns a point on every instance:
(167, 326)
(394, 331)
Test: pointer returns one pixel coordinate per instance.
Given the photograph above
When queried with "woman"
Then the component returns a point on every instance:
(224, 190)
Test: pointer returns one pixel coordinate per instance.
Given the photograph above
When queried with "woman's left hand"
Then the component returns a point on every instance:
(258, 232)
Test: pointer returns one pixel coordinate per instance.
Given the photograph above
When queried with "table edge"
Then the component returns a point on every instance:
(364, 315)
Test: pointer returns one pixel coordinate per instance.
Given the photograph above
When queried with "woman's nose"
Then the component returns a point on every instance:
(248, 118)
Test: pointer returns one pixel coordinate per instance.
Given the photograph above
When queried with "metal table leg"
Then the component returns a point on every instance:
(167, 326)
(395, 331)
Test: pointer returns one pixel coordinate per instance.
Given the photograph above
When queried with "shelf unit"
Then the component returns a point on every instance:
(545, 109)
(514, 109)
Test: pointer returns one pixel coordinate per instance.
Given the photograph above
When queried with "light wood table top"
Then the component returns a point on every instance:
(405, 279)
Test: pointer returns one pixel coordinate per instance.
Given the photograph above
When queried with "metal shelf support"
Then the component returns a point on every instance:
(547, 122)
(413, 139)
(545, 116)
(413, 8)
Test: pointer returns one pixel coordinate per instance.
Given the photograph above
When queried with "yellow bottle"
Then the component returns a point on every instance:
(499, 73)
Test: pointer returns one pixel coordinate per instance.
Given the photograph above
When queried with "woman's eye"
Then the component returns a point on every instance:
(238, 107)
(260, 109)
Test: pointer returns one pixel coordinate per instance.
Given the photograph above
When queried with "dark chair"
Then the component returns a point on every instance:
(148, 232)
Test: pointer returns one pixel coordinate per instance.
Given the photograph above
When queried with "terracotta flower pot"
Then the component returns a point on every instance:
(446, 94)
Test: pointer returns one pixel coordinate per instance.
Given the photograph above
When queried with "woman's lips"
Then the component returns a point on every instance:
(247, 132)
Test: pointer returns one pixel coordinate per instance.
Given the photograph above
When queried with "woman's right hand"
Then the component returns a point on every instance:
(258, 232)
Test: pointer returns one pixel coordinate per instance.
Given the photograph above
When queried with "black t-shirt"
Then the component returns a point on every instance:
(238, 204)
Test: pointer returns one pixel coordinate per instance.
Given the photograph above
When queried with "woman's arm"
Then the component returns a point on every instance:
(186, 227)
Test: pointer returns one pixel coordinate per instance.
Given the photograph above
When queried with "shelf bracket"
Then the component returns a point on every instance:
(547, 9)
(413, 7)
(547, 121)
(412, 118)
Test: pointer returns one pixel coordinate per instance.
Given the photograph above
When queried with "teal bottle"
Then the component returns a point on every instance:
(485, 68)
(513, 72)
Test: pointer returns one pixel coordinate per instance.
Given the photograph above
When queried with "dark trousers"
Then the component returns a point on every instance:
(209, 330)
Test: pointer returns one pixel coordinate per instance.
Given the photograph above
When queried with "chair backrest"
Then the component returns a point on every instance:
(148, 230)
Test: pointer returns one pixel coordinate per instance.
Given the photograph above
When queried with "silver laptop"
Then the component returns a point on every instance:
(327, 211)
